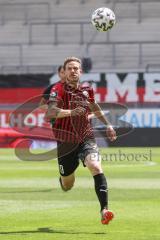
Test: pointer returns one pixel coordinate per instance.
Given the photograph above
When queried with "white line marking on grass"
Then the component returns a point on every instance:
(11, 207)
(25, 183)
(122, 183)
(139, 183)
(134, 164)
(8, 157)
(151, 163)
(81, 182)
(36, 168)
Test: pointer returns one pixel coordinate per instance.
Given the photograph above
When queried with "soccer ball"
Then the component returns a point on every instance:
(103, 19)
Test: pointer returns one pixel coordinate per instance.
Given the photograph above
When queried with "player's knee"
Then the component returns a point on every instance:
(94, 168)
(93, 163)
(67, 186)
(68, 183)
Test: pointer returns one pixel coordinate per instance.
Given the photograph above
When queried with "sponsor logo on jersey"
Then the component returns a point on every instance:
(53, 95)
(85, 93)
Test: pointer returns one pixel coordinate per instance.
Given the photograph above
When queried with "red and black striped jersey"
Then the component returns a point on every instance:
(74, 128)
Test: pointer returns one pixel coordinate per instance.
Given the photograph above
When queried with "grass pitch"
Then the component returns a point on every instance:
(32, 205)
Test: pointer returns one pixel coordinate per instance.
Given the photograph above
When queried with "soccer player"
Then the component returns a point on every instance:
(47, 91)
(70, 104)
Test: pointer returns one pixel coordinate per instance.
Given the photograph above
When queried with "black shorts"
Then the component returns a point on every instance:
(69, 155)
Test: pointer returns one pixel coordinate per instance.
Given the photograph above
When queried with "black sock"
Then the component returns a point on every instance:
(101, 190)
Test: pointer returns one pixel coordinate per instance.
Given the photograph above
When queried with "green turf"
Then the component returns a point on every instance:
(32, 205)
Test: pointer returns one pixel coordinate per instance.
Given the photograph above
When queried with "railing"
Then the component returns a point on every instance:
(114, 58)
(25, 16)
(24, 69)
(26, 19)
(152, 67)
(114, 2)
(81, 24)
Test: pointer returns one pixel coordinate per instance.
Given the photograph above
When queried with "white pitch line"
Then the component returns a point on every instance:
(11, 207)
(14, 158)
(151, 163)
(142, 164)
(82, 182)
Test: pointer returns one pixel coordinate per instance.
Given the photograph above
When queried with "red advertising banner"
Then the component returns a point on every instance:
(108, 87)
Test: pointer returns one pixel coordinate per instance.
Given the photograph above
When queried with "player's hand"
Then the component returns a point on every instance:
(78, 111)
(111, 133)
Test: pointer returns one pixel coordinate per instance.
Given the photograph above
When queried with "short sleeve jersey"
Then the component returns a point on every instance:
(73, 128)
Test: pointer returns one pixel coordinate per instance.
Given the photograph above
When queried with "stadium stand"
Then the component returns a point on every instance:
(39, 34)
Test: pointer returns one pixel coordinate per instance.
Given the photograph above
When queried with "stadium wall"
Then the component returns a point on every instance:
(138, 92)
(109, 87)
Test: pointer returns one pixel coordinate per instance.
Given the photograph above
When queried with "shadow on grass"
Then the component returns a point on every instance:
(49, 230)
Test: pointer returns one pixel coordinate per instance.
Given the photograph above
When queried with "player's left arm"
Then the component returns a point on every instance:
(111, 133)
(96, 109)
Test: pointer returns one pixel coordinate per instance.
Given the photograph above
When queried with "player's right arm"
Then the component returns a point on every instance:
(55, 112)
(55, 100)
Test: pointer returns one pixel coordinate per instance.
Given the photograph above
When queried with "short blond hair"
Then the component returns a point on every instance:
(71, 59)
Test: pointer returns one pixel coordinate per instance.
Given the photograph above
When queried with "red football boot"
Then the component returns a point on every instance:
(107, 216)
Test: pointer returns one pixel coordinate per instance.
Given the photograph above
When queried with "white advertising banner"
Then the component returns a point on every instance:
(138, 117)
(142, 118)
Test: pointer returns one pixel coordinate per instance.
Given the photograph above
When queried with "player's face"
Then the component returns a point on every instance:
(73, 72)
